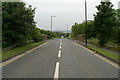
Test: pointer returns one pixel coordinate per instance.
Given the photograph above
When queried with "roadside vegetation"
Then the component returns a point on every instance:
(19, 49)
(103, 31)
(110, 55)
(19, 29)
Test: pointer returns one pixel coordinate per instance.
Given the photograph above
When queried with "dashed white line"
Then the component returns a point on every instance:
(60, 47)
(59, 54)
(60, 44)
(56, 74)
(56, 71)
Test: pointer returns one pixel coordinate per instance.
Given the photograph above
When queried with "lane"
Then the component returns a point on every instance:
(38, 64)
(60, 59)
(76, 62)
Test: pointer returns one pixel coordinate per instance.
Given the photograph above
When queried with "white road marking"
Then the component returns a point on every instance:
(60, 44)
(19, 56)
(60, 47)
(59, 54)
(35, 48)
(85, 48)
(56, 71)
(108, 61)
(11, 60)
(101, 57)
(56, 74)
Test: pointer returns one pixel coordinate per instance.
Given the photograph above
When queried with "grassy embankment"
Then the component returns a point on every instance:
(110, 55)
(111, 44)
(19, 49)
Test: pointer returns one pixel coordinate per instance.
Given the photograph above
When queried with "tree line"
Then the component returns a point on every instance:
(105, 26)
(18, 25)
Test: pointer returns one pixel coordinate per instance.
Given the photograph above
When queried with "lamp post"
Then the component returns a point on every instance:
(67, 29)
(51, 23)
(86, 22)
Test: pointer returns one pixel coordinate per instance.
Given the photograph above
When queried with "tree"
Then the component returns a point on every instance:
(116, 29)
(48, 33)
(78, 29)
(18, 22)
(36, 34)
(91, 33)
(104, 22)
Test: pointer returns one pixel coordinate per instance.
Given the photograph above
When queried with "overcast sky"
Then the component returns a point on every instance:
(66, 12)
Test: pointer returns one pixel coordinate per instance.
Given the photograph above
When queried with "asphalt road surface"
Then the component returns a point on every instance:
(60, 58)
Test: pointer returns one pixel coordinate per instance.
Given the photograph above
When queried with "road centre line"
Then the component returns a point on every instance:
(61, 41)
(60, 47)
(56, 71)
(59, 54)
(60, 44)
(101, 57)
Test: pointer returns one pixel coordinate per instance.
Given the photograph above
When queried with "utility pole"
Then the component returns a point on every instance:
(67, 29)
(51, 23)
(86, 22)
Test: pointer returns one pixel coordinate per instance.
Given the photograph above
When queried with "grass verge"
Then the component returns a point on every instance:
(19, 49)
(110, 55)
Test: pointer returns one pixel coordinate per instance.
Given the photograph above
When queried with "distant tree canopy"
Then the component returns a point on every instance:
(18, 23)
(53, 34)
(79, 29)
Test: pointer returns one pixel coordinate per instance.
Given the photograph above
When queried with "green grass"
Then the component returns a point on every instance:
(106, 53)
(19, 49)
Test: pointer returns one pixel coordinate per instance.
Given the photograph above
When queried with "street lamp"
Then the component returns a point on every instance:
(67, 29)
(51, 23)
(86, 22)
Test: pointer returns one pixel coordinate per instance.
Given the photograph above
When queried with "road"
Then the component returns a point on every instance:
(60, 58)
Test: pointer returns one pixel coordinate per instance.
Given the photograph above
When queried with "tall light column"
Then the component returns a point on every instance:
(86, 22)
(51, 23)
(67, 29)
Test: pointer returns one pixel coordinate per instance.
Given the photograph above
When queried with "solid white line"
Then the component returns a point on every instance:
(56, 71)
(60, 47)
(85, 48)
(19, 56)
(59, 54)
(11, 60)
(101, 57)
(35, 48)
(108, 61)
